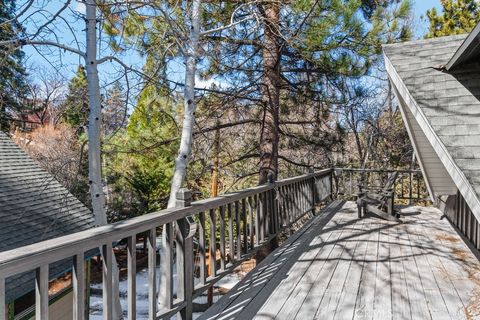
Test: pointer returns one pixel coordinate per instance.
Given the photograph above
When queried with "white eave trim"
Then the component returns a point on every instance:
(456, 174)
(413, 140)
(468, 49)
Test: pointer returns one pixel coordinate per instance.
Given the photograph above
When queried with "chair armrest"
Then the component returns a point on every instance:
(374, 188)
(387, 193)
(378, 196)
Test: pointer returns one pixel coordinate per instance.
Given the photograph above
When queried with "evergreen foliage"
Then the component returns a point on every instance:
(13, 88)
(75, 107)
(319, 45)
(114, 110)
(139, 164)
(457, 17)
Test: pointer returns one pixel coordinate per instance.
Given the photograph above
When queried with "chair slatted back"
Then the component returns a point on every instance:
(391, 181)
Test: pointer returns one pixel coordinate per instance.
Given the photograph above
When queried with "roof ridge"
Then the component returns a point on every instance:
(429, 40)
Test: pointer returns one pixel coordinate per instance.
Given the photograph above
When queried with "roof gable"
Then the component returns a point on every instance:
(469, 50)
(445, 103)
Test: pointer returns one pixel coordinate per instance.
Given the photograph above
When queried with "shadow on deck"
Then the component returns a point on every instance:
(342, 267)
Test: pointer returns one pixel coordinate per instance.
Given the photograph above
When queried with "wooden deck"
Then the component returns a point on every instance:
(340, 267)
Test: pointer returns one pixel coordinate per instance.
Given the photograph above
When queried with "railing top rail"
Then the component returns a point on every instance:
(317, 174)
(378, 170)
(32, 256)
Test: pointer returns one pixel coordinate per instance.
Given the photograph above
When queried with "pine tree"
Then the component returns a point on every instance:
(75, 107)
(114, 110)
(138, 161)
(459, 16)
(304, 54)
(291, 52)
(12, 72)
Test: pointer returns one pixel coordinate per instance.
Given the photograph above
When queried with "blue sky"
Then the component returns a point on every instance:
(70, 61)
(420, 8)
(424, 5)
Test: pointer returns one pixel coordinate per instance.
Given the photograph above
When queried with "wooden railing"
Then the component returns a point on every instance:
(409, 187)
(236, 224)
(463, 218)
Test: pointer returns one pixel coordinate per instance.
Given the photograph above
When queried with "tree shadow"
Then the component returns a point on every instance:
(399, 247)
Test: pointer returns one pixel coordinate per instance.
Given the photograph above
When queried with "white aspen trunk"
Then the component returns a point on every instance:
(95, 118)
(94, 140)
(191, 49)
(367, 152)
(186, 140)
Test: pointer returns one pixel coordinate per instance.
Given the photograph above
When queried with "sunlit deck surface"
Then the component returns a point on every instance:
(342, 267)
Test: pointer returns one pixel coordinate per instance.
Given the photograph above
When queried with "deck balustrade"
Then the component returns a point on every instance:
(409, 188)
(234, 225)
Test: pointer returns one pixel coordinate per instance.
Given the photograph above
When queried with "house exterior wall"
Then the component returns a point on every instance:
(62, 308)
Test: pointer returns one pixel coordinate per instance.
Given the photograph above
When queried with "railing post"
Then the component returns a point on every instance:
(78, 284)
(3, 309)
(41, 293)
(313, 200)
(260, 233)
(332, 193)
(132, 277)
(152, 274)
(273, 221)
(410, 192)
(187, 228)
(165, 296)
(107, 279)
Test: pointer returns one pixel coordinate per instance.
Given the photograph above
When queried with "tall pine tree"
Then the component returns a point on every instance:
(13, 87)
(114, 110)
(75, 107)
(138, 162)
(294, 50)
(459, 16)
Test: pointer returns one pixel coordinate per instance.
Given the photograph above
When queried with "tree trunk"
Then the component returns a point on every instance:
(367, 151)
(191, 48)
(186, 140)
(94, 140)
(270, 93)
(390, 103)
(353, 125)
(94, 119)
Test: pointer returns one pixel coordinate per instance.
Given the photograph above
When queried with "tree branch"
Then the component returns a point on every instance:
(231, 25)
(25, 42)
(298, 163)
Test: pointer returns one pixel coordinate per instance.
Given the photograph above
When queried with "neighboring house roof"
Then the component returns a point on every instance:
(442, 108)
(33, 207)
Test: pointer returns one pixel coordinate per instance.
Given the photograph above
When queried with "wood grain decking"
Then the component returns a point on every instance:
(340, 267)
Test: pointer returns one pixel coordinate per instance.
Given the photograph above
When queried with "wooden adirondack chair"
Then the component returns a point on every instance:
(378, 200)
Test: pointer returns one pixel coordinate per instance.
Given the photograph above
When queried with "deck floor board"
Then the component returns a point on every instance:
(290, 295)
(342, 267)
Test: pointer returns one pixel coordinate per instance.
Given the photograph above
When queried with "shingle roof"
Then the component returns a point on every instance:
(33, 207)
(449, 100)
(468, 51)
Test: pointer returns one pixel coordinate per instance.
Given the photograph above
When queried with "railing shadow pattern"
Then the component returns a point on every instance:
(235, 225)
(238, 224)
(387, 253)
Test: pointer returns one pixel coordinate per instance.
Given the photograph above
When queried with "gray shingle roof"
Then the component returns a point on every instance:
(468, 51)
(33, 207)
(449, 100)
